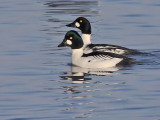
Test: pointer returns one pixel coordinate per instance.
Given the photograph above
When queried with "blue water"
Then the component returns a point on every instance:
(37, 81)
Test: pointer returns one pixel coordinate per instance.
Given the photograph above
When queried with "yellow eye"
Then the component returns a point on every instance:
(70, 38)
(80, 21)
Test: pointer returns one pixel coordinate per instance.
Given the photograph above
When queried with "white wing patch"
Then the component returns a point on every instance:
(109, 49)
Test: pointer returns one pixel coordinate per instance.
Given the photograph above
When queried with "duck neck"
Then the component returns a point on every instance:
(86, 39)
(77, 52)
(86, 28)
(76, 55)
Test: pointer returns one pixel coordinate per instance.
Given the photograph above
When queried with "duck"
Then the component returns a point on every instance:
(94, 59)
(84, 25)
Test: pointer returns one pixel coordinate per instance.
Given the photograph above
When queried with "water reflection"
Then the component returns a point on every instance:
(80, 90)
(82, 76)
(78, 74)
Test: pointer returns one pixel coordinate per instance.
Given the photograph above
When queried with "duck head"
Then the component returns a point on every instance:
(72, 39)
(81, 23)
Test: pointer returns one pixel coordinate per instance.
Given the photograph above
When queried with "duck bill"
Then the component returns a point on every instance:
(63, 44)
(71, 25)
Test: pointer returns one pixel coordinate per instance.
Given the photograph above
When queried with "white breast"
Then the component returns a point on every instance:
(76, 56)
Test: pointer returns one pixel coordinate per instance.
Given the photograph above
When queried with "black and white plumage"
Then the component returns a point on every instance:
(92, 59)
(109, 48)
(84, 25)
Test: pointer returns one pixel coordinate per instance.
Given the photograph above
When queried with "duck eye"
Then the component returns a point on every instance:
(80, 21)
(70, 38)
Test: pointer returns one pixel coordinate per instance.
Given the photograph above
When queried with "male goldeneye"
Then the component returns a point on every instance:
(92, 59)
(84, 25)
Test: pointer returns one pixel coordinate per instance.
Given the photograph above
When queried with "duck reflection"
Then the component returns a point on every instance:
(96, 71)
(81, 75)
(82, 89)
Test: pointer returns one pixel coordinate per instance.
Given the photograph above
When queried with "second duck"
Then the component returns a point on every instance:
(84, 25)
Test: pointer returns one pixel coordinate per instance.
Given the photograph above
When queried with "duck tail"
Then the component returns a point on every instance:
(126, 62)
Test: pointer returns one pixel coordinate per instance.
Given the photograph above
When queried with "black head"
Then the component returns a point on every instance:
(72, 39)
(83, 24)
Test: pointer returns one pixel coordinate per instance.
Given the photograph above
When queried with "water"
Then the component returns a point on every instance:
(37, 81)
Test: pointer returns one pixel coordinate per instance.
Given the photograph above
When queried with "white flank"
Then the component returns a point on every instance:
(93, 62)
(69, 42)
(77, 24)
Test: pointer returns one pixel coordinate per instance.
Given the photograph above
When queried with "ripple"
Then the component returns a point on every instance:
(78, 7)
(135, 15)
(64, 3)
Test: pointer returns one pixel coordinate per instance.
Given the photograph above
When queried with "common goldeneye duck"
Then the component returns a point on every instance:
(92, 59)
(84, 25)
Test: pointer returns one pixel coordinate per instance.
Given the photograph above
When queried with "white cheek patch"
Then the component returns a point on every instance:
(69, 42)
(77, 24)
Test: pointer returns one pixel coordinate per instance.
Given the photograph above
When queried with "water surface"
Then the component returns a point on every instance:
(37, 81)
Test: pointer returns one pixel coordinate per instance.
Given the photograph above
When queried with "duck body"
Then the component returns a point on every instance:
(98, 59)
(94, 59)
(84, 25)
